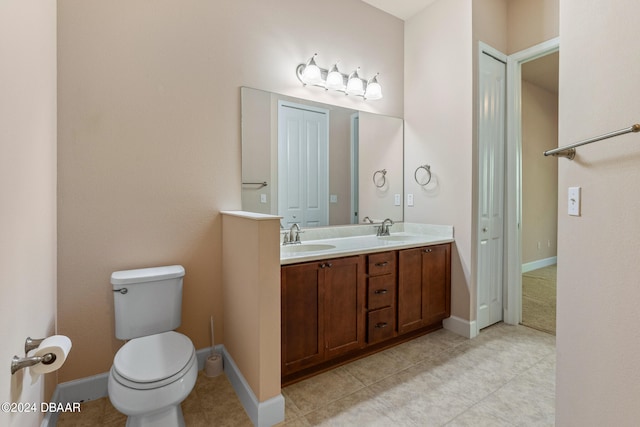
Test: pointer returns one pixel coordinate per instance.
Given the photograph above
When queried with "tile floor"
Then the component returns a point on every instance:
(504, 377)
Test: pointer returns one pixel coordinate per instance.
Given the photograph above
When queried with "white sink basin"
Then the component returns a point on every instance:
(292, 249)
(398, 238)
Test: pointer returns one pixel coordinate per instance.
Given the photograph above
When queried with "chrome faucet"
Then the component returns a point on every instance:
(290, 238)
(383, 230)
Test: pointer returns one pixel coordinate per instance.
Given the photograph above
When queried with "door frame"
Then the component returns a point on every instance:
(513, 175)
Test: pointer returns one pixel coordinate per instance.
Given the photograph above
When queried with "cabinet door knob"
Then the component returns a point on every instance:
(380, 291)
(429, 250)
(381, 325)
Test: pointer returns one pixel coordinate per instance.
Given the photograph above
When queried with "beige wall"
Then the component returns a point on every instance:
(438, 130)
(531, 22)
(28, 194)
(149, 137)
(598, 380)
(539, 175)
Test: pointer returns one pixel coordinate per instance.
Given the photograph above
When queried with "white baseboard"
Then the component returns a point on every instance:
(541, 263)
(465, 328)
(265, 413)
(262, 414)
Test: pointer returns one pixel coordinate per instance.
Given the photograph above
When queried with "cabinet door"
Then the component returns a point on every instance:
(344, 294)
(424, 286)
(436, 270)
(410, 290)
(302, 328)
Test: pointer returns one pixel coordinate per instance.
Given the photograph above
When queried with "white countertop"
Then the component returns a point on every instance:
(351, 240)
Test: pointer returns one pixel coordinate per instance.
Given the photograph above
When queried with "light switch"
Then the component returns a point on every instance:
(263, 198)
(574, 201)
(333, 198)
(397, 200)
(409, 199)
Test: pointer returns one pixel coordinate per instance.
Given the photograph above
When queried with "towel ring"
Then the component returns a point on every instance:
(384, 178)
(415, 175)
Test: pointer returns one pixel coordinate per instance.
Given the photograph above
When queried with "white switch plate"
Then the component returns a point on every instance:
(397, 200)
(333, 198)
(409, 199)
(263, 198)
(574, 201)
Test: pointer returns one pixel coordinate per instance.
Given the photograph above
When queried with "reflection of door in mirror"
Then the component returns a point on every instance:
(303, 165)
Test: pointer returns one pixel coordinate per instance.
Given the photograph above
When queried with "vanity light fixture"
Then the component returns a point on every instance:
(310, 74)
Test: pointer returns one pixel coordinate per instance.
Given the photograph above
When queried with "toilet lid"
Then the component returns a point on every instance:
(154, 357)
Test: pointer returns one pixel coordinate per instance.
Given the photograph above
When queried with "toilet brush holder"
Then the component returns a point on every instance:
(213, 366)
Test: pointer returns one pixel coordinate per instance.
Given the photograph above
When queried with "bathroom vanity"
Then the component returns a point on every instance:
(346, 297)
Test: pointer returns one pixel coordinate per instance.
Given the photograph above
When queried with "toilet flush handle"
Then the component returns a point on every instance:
(123, 291)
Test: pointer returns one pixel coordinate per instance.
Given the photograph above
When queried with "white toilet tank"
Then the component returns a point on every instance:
(147, 301)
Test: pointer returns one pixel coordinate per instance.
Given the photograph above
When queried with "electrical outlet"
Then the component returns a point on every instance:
(409, 199)
(263, 198)
(397, 200)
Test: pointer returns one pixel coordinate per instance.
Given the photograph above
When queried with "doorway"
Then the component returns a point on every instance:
(515, 188)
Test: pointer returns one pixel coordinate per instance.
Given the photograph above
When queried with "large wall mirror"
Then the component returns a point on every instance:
(316, 164)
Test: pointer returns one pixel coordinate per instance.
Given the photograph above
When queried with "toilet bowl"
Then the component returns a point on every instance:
(157, 367)
(151, 376)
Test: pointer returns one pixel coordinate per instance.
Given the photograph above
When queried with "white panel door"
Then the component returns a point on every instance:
(303, 166)
(491, 157)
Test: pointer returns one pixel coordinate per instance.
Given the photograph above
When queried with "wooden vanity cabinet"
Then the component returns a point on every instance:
(381, 296)
(322, 311)
(424, 286)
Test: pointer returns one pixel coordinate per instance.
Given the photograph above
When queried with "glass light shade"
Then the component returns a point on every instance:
(355, 85)
(335, 80)
(311, 73)
(374, 90)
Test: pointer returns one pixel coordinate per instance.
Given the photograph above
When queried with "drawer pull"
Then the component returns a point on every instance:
(380, 291)
(382, 264)
(381, 325)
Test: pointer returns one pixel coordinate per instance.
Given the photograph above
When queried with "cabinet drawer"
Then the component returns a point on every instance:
(380, 324)
(381, 291)
(382, 263)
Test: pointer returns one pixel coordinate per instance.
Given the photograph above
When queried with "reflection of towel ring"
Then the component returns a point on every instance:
(384, 178)
(426, 168)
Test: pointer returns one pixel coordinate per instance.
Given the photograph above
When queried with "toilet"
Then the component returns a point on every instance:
(157, 368)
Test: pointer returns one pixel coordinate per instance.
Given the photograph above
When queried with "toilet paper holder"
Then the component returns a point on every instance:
(18, 363)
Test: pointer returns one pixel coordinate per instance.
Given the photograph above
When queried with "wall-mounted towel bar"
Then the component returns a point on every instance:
(261, 184)
(569, 151)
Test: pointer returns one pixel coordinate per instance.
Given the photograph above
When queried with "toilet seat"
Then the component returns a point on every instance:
(153, 361)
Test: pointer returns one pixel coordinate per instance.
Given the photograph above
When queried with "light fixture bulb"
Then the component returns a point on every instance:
(355, 85)
(311, 73)
(374, 90)
(335, 80)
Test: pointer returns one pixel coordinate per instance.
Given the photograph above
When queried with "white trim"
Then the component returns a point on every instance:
(513, 196)
(265, 413)
(541, 263)
(465, 328)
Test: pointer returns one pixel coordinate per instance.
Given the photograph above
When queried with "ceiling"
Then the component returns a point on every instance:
(403, 9)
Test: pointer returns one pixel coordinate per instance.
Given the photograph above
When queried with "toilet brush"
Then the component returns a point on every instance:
(213, 366)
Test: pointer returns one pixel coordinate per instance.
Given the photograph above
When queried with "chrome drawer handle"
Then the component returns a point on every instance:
(381, 325)
(382, 264)
(380, 291)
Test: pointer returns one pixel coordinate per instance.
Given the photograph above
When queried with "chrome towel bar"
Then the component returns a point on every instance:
(569, 151)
